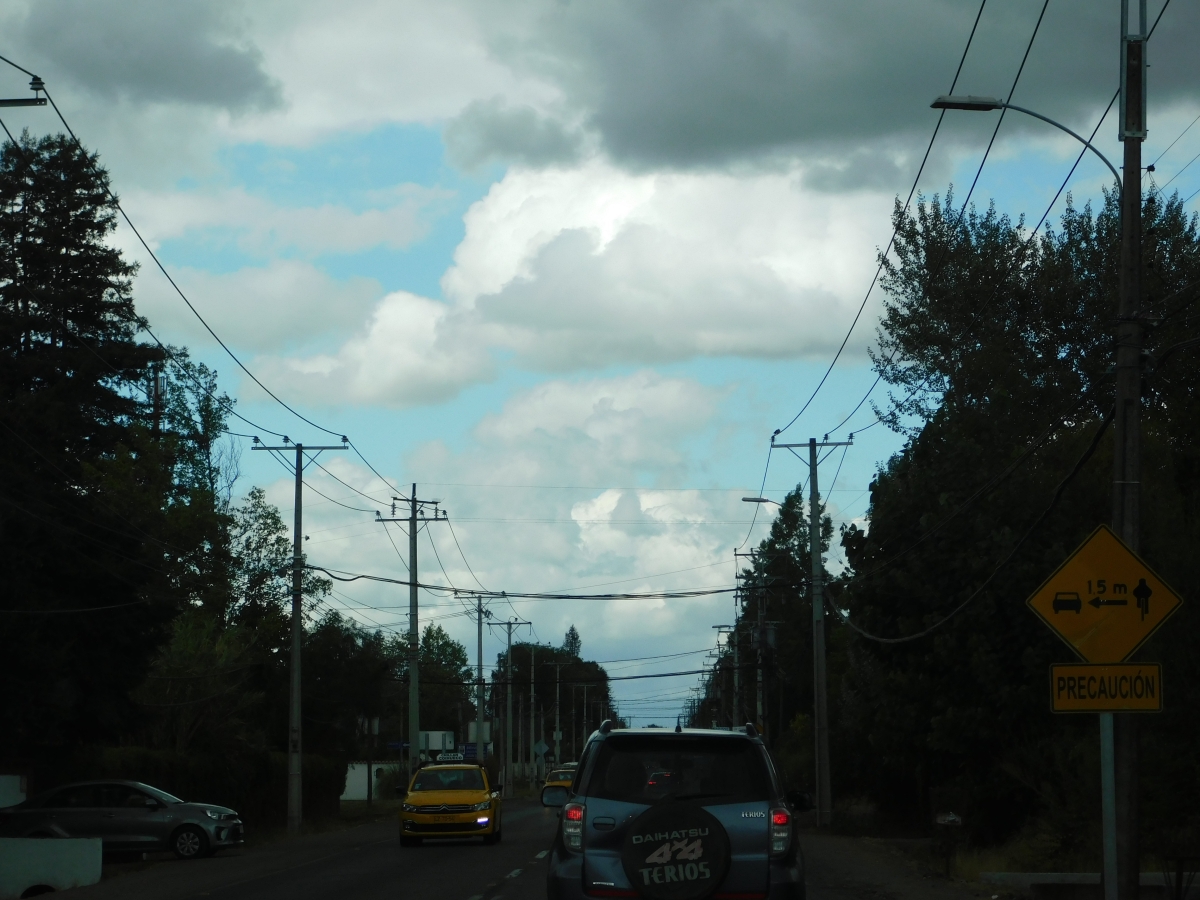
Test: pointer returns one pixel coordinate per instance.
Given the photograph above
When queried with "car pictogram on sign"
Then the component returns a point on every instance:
(1067, 601)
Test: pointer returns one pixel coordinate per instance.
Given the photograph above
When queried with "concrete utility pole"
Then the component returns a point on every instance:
(557, 722)
(532, 717)
(416, 516)
(820, 689)
(1119, 733)
(295, 794)
(480, 612)
(508, 695)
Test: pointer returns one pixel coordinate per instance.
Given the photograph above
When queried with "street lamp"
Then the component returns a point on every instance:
(37, 86)
(971, 103)
(1118, 737)
(761, 500)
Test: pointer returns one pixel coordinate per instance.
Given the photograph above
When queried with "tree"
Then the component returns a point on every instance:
(572, 644)
(85, 517)
(999, 346)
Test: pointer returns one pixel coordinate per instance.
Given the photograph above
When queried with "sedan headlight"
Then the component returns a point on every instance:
(212, 814)
(479, 807)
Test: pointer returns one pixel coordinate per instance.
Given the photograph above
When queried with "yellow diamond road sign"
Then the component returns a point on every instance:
(1104, 601)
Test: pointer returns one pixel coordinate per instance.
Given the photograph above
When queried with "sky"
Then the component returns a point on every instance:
(565, 266)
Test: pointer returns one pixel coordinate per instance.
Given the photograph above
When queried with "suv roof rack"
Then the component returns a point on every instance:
(606, 726)
(751, 730)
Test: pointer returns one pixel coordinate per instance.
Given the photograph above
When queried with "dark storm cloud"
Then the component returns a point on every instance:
(150, 51)
(489, 130)
(709, 83)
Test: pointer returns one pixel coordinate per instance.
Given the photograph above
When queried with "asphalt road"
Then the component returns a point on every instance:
(356, 864)
(367, 862)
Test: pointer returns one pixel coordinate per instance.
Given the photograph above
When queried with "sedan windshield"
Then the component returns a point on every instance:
(449, 780)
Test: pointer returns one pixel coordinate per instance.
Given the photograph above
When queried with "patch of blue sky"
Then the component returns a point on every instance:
(356, 171)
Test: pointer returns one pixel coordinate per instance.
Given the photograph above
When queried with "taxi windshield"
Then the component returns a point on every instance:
(448, 780)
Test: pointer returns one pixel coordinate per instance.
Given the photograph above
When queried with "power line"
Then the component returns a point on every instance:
(978, 313)
(1062, 485)
(182, 296)
(891, 241)
(464, 556)
(342, 575)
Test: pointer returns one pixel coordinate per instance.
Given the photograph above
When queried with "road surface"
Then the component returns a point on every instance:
(367, 862)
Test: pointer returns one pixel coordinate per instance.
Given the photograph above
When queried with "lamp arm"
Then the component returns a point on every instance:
(1061, 127)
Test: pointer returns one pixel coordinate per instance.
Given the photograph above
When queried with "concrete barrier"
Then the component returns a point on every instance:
(57, 863)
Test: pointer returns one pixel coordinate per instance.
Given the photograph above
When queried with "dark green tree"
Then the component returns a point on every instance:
(998, 348)
(86, 518)
(572, 643)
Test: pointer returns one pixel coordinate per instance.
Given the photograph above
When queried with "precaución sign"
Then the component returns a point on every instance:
(1104, 601)
(1125, 687)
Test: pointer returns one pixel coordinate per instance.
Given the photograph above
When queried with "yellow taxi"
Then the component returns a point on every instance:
(560, 776)
(450, 801)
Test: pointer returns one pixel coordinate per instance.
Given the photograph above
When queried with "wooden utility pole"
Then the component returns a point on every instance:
(295, 794)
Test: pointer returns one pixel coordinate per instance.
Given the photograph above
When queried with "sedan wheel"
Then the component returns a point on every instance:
(189, 842)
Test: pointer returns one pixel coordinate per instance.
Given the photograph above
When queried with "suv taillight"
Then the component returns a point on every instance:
(572, 828)
(781, 831)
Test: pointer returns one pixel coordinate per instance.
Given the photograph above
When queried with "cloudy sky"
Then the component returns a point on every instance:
(565, 265)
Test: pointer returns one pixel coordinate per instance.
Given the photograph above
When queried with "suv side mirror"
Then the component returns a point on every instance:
(554, 795)
(799, 801)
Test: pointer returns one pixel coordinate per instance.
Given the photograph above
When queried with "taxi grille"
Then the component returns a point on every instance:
(454, 808)
(448, 827)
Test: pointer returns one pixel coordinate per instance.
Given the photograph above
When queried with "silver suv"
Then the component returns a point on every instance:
(675, 815)
(126, 815)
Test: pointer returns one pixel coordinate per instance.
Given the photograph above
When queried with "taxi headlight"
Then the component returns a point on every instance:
(408, 807)
(479, 807)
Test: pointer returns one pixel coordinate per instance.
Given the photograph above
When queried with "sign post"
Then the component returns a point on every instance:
(1105, 603)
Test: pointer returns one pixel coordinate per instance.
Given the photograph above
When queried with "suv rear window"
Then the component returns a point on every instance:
(639, 769)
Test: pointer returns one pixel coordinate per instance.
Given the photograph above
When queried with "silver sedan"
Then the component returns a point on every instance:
(126, 815)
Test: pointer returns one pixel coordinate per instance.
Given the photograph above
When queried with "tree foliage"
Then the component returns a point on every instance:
(999, 348)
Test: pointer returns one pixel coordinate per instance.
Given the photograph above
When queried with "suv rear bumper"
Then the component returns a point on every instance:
(564, 881)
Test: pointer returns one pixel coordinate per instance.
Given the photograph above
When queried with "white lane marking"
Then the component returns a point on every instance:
(513, 874)
(542, 855)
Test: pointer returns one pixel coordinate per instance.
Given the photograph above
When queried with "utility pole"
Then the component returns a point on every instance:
(557, 722)
(295, 796)
(158, 387)
(509, 625)
(820, 690)
(583, 729)
(416, 515)
(480, 612)
(1119, 733)
(532, 717)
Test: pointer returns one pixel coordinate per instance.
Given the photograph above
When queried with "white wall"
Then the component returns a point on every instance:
(356, 780)
(62, 863)
(12, 790)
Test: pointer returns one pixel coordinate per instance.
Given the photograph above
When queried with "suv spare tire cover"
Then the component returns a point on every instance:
(675, 851)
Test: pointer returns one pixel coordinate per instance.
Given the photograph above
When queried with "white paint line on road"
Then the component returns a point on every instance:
(514, 873)
(542, 855)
